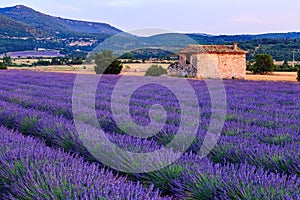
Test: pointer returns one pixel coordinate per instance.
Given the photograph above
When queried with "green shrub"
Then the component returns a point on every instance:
(107, 63)
(298, 75)
(2, 66)
(156, 70)
(286, 68)
(264, 63)
(43, 63)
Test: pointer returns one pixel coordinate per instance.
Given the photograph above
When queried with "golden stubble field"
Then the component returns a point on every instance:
(275, 76)
(135, 69)
(139, 69)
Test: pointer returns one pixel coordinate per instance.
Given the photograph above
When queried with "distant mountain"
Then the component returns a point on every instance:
(55, 25)
(9, 27)
(279, 45)
(243, 38)
(124, 42)
(88, 27)
(25, 25)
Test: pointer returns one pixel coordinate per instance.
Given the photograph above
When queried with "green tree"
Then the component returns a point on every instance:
(285, 64)
(284, 67)
(42, 62)
(107, 63)
(264, 63)
(57, 61)
(128, 55)
(7, 60)
(156, 70)
(250, 65)
(2, 66)
(298, 75)
(90, 57)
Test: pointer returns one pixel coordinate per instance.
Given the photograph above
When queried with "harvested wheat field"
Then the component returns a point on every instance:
(140, 70)
(276, 76)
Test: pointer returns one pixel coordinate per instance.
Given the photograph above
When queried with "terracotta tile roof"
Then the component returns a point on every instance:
(213, 49)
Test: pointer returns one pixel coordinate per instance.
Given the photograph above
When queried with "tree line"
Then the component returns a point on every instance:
(262, 64)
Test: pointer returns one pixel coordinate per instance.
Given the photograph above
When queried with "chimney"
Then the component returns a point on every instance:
(235, 46)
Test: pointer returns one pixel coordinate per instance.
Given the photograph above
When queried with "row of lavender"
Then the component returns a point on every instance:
(31, 170)
(60, 131)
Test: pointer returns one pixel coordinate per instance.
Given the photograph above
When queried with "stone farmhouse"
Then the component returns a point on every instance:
(211, 61)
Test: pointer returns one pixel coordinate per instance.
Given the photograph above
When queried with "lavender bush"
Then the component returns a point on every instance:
(31, 170)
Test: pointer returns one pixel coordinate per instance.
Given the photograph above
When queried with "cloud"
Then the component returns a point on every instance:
(68, 8)
(117, 3)
(248, 19)
(146, 32)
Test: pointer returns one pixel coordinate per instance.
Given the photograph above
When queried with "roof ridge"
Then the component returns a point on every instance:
(223, 48)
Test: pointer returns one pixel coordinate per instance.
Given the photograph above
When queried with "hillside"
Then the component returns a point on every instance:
(279, 45)
(55, 25)
(9, 27)
(88, 27)
(23, 28)
(15, 35)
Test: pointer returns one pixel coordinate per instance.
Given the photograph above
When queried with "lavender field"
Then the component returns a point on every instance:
(34, 54)
(42, 155)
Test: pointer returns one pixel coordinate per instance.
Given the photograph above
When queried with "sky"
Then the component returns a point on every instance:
(184, 16)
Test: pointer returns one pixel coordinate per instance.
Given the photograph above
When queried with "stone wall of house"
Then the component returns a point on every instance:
(211, 65)
(221, 66)
(182, 70)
